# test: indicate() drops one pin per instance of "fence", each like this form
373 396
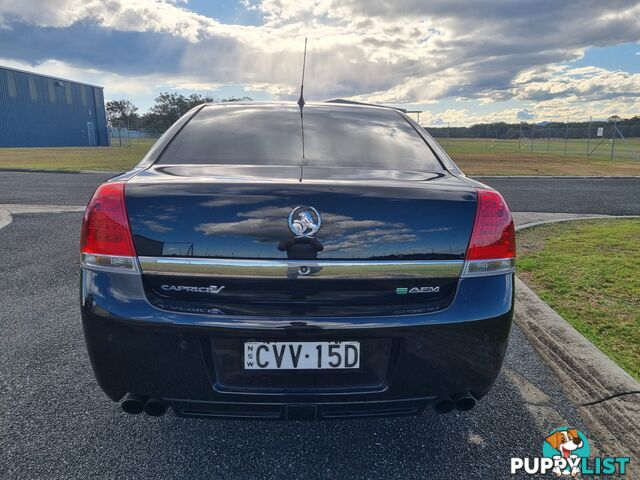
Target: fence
594 139
602 140
124 137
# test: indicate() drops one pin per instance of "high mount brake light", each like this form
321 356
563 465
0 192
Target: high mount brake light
105 240
492 249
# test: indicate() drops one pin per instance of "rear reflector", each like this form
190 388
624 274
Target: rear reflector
105 240
95 261
481 268
492 249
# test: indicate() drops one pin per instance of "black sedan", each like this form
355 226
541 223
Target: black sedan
276 262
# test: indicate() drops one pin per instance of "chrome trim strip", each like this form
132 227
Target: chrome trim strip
331 269
484 268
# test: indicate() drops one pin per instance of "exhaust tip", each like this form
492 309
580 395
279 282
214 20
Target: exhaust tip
155 408
132 404
465 402
444 405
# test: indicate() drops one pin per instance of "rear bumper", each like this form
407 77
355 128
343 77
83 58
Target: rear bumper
135 347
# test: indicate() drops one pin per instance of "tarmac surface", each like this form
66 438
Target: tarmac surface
613 196
56 423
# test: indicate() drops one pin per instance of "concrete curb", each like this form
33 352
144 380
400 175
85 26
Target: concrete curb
18 208
533 219
7 210
5 218
562 177
600 389
607 397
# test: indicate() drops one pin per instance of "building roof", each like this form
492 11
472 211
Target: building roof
2 67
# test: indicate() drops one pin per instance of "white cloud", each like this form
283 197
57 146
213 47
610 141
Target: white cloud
382 51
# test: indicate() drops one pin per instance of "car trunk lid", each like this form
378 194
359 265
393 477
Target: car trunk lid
223 239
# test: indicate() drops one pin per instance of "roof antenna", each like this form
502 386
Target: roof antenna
301 104
304 62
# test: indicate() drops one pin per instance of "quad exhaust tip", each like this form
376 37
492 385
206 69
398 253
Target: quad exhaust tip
444 405
461 402
132 404
155 408
464 401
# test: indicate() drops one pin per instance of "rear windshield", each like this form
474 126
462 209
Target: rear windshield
273 135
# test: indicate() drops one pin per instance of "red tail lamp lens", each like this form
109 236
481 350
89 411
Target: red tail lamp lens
493 233
105 228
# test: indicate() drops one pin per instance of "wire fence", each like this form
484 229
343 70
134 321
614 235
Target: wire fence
606 140
124 137
600 140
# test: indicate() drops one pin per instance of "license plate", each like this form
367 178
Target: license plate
301 355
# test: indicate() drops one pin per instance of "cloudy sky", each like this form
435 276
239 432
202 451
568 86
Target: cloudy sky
460 61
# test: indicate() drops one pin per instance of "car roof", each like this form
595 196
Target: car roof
288 104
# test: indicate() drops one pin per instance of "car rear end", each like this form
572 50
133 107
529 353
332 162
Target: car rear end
392 292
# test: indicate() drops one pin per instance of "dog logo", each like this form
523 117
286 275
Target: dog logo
304 221
567 443
565 452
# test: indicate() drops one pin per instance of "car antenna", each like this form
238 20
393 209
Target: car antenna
304 63
301 104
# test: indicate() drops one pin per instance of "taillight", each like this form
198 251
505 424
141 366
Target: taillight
105 240
492 248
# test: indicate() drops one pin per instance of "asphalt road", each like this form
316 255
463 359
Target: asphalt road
55 422
613 196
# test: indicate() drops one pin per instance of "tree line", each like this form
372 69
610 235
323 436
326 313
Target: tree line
572 130
168 107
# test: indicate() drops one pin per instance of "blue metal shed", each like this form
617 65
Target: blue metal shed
41 111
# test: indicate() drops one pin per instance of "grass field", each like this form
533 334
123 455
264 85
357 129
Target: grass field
587 271
474 156
624 149
502 157
75 158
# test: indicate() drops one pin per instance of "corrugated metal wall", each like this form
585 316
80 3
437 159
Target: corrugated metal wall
37 111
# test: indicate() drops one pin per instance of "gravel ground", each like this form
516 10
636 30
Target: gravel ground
56 423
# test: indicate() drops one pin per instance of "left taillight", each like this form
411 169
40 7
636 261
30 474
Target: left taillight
105 239
492 247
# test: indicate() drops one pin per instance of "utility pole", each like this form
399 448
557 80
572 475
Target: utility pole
486 140
533 132
520 138
548 136
613 136
589 137
566 136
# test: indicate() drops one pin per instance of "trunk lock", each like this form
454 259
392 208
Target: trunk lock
304 270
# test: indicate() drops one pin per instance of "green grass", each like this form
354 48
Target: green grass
113 158
628 149
474 156
588 272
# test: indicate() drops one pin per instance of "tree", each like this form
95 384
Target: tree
169 107
121 113
613 118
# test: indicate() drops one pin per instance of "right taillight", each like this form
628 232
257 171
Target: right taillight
105 239
492 248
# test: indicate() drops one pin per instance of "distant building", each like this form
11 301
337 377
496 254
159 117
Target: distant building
41 111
